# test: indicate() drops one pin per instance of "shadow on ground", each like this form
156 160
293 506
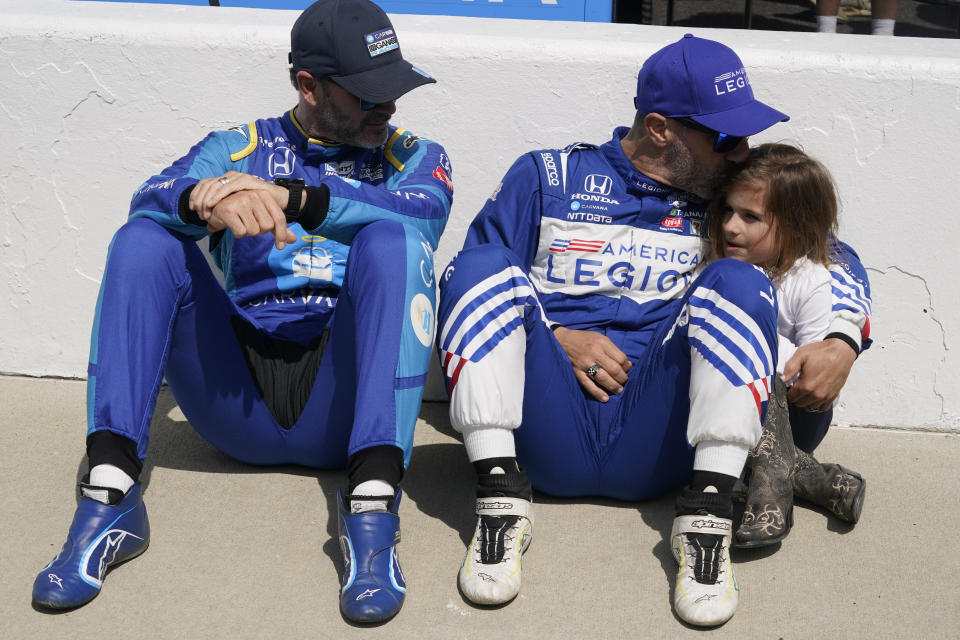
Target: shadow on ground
440 482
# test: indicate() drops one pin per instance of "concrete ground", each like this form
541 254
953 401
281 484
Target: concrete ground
246 552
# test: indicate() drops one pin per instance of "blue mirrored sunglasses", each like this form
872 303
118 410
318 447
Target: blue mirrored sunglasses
722 142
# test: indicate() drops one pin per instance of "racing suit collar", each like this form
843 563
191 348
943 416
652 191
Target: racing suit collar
635 180
312 148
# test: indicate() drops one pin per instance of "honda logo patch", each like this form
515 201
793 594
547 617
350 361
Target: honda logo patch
599 184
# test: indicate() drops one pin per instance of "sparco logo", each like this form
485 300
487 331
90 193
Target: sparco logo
711 524
552 177
596 183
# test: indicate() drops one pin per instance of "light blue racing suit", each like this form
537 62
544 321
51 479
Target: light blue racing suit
365 275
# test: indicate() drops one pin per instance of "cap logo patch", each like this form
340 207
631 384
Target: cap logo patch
382 41
730 82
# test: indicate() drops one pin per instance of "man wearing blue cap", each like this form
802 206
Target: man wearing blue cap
324 222
581 335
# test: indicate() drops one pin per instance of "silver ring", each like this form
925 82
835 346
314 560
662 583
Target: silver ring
592 371
223 179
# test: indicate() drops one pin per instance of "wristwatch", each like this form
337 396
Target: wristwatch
295 189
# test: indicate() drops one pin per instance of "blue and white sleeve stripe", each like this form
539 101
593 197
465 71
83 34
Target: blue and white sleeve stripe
487 314
728 338
848 293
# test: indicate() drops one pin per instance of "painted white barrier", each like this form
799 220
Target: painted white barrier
94 97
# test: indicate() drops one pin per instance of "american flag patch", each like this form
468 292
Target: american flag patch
560 245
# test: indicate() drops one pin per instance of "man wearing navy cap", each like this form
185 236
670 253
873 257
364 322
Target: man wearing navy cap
582 336
324 222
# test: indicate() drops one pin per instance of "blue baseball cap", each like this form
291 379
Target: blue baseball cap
353 43
705 81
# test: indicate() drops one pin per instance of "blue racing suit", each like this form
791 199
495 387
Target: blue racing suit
365 275
579 238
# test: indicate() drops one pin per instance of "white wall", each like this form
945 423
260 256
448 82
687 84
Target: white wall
94 97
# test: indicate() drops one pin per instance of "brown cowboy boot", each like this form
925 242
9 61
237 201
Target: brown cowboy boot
830 486
768 514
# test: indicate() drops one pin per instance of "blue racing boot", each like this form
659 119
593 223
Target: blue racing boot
373 587
101 536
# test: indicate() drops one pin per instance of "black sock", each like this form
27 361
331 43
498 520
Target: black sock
720 481
383 462
695 501
513 483
106 447
509 465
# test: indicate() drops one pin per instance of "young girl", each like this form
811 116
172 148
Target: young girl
778 210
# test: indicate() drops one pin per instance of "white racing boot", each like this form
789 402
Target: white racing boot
706 593
490 573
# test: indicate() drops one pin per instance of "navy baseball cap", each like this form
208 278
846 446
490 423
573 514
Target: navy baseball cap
705 81
353 43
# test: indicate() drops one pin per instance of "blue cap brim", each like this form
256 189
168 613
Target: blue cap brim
744 120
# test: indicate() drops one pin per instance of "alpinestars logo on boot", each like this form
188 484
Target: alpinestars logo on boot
711 524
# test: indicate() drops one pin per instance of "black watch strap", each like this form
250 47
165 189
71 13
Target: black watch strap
295 189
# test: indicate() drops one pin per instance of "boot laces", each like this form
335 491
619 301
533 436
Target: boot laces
497 534
706 557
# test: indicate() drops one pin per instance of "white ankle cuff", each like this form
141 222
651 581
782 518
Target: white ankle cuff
720 457
489 442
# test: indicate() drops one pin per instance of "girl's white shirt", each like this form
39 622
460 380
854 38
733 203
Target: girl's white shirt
805 303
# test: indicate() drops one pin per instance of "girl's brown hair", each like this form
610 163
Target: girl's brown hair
799 194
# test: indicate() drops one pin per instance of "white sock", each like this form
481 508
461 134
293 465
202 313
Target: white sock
488 442
883 27
826 24
373 488
107 475
727 458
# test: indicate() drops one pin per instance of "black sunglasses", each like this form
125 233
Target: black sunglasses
364 105
722 142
